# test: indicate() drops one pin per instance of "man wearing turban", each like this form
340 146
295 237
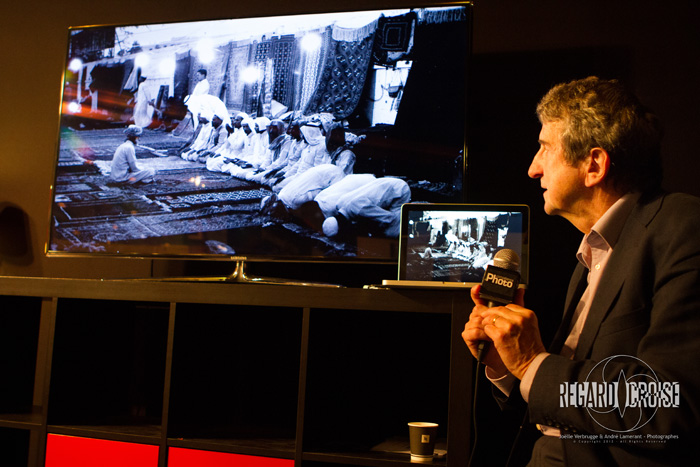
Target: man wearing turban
124 167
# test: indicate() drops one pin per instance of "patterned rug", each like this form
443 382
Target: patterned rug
343 77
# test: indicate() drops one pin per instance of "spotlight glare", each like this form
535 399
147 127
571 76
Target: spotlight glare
75 65
311 42
141 60
74 107
205 50
167 66
250 75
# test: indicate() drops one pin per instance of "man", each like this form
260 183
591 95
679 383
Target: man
307 185
232 147
276 155
632 312
240 165
204 105
294 199
202 86
313 154
205 131
261 141
297 145
144 104
338 148
217 138
124 167
327 200
373 208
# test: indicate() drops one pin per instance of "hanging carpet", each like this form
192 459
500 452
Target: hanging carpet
343 76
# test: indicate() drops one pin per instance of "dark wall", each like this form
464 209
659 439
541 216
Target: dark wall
520 50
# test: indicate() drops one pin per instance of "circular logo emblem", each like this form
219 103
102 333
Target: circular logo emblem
624 399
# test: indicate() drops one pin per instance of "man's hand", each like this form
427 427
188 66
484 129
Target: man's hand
512 331
474 335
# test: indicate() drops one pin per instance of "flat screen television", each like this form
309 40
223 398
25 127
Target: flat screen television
277 138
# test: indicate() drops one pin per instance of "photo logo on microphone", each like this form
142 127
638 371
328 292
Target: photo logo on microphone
499 280
614 398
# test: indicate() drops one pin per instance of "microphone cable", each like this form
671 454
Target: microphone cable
474 405
499 286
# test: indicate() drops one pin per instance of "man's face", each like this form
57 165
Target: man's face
237 121
562 182
273 132
247 129
200 76
294 131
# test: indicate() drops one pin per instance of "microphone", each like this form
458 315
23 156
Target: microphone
501 280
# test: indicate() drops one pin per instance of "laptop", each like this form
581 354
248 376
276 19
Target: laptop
450 245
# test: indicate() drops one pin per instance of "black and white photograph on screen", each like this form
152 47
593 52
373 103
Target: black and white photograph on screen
457 246
288 136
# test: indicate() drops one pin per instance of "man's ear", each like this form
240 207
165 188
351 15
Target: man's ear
597 166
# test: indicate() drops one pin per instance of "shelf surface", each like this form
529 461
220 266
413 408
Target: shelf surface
415 300
269 447
144 434
20 420
370 459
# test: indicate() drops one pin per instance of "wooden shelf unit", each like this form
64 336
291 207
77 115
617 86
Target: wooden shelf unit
315 376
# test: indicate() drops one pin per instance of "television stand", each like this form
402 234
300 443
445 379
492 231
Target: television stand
239 276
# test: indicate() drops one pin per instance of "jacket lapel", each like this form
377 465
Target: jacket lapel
615 273
577 285
613 277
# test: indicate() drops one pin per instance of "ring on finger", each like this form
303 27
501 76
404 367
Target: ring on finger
493 321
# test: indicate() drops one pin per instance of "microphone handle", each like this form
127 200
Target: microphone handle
481 350
483 346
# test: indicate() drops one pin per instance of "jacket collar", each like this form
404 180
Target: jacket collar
616 270
613 277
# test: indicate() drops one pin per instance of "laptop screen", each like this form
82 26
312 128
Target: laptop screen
455 242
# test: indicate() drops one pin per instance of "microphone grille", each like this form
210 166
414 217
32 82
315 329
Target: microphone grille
507 259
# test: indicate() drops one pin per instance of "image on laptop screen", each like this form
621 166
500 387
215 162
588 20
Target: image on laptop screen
455 242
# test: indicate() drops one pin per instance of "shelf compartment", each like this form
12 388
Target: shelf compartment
19 331
283 448
235 375
372 372
14 445
72 451
108 367
183 457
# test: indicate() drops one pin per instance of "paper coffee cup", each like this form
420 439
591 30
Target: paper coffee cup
422 440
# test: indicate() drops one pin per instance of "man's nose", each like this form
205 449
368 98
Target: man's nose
535 169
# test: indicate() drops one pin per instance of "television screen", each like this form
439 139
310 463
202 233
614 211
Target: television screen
283 137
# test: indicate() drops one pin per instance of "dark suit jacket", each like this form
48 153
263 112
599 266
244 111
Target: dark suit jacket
647 308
